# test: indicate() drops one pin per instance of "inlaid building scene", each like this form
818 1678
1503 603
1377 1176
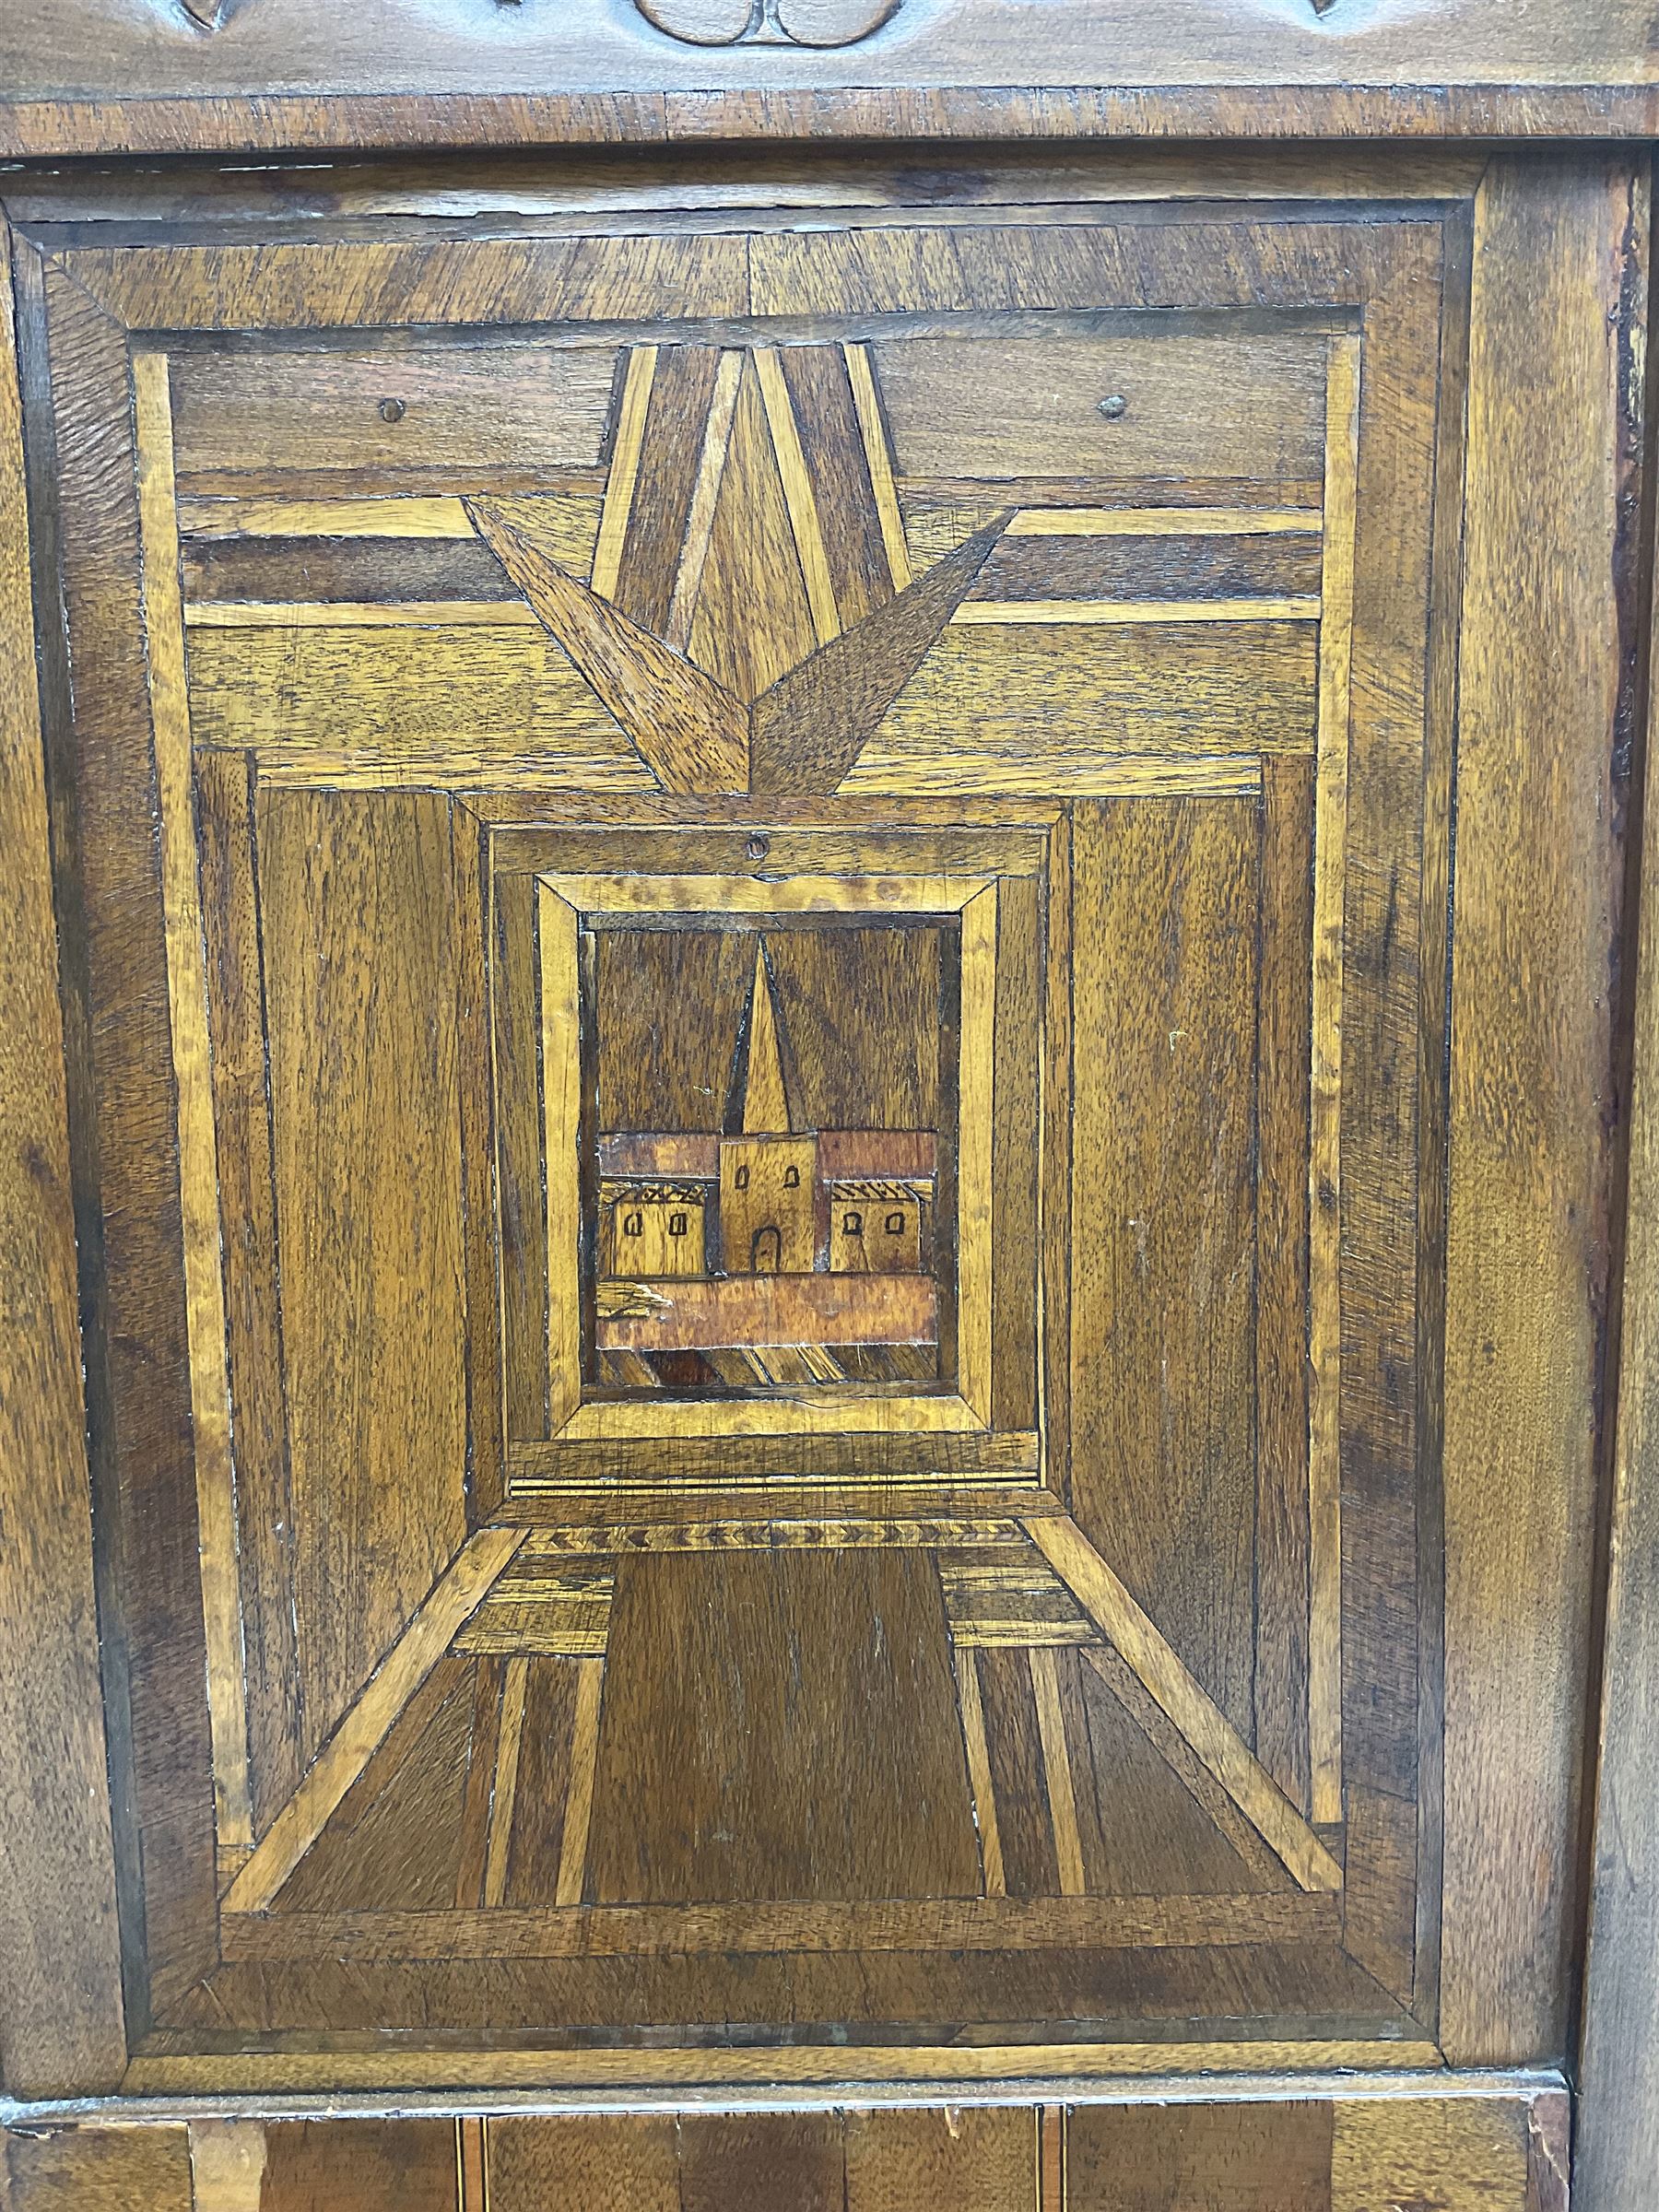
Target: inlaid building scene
774 1247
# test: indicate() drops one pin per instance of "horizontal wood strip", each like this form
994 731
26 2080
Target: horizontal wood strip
964 1923
358 613
389 517
605 1538
159 2069
457 1595
1163 522
777 1310
986 613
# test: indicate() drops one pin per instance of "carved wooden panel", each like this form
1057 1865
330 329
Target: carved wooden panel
760 926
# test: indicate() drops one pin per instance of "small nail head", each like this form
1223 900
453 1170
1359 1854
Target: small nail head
391 410
758 848
1114 405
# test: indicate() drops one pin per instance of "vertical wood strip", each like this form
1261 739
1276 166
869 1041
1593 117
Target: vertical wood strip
1324 1254
1559 277
557 932
265 1535
504 1796
705 492
978 1747
60 2016
579 1799
472 2165
1057 1770
1283 1026
483 1313
227 2165
624 470
198 1169
1055 1134
975 1196
479 1796
1050 2158
880 461
798 495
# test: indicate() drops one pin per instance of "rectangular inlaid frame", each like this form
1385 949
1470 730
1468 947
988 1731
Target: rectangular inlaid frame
1385 280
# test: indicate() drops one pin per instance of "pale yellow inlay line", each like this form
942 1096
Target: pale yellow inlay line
361 614
1095 613
879 461
978 1747
193 1074
503 1795
1165 1679
391 517
1324 1234
705 494
798 495
1057 1768
579 1799
1164 522
558 929
975 1196
624 470
455 1597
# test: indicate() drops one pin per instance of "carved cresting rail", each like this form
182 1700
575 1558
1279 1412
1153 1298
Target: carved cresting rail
714 22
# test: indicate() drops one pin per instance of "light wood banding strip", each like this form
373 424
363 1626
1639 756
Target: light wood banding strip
579 1800
705 492
1164 522
624 470
557 925
979 1773
457 1595
879 461
198 1155
1324 1193
391 517
1117 613
504 1795
798 495
360 613
1056 1772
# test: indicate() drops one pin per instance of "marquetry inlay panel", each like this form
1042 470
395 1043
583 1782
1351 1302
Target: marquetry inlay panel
785 911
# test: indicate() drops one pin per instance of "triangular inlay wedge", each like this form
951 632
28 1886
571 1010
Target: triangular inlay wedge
810 727
689 730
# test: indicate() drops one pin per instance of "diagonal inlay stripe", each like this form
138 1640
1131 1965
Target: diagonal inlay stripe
689 730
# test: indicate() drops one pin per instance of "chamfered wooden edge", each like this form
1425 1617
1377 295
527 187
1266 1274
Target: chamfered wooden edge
1545 673
254 122
61 2013
1618 2131
1244 2077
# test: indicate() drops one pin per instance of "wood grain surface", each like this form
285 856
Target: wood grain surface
1535 920
61 2022
1466 65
